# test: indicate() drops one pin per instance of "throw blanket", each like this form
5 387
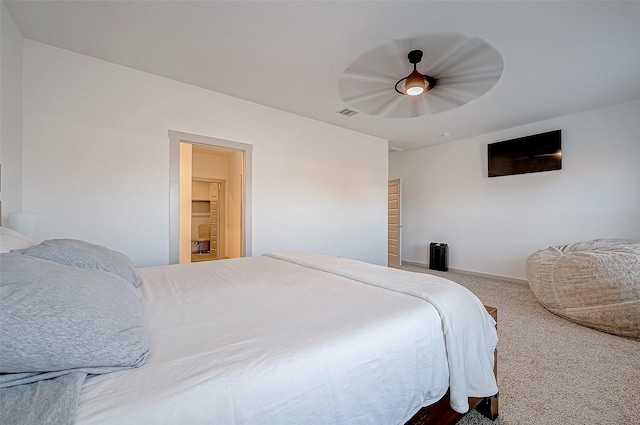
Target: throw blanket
45 402
470 349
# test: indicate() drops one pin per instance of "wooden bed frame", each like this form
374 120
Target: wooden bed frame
441 412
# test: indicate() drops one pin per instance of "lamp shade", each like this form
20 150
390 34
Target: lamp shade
25 223
415 84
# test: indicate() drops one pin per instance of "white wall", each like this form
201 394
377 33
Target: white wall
96 162
210 166
493 224
10 114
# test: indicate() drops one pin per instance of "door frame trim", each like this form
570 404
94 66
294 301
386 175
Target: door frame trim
399 220
177 137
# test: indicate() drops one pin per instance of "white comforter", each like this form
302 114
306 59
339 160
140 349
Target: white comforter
470 349
261 340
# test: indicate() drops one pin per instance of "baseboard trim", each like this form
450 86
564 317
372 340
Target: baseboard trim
467 272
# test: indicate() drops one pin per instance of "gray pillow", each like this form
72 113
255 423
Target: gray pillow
73 252
55 317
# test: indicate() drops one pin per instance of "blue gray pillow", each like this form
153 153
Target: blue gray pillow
77 253
56 319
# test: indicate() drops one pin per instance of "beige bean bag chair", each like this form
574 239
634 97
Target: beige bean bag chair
595 283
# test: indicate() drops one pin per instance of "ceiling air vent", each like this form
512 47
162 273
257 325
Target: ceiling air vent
346 112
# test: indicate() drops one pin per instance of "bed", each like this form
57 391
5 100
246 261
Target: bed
283 338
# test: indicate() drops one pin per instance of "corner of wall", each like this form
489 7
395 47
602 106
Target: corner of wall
11 47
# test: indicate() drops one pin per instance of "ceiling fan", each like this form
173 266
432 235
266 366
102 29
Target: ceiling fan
443 71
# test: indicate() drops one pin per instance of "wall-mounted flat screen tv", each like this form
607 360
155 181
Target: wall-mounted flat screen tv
530 154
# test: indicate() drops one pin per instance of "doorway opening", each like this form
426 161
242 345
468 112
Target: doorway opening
211 236
210 198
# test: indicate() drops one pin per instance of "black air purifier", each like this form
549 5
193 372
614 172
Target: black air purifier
438 257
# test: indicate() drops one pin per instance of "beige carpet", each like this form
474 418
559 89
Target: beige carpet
550 370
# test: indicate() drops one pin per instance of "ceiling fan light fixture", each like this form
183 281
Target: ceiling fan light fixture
415 84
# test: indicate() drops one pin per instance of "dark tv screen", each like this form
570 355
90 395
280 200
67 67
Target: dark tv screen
530 154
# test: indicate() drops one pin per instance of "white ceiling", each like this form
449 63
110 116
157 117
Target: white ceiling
559 57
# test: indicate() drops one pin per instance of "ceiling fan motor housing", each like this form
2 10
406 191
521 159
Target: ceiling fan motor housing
415 56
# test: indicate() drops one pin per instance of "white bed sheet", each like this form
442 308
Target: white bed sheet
263 341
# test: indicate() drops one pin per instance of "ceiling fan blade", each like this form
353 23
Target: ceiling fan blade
476 75
402 47
367 96
473 54
364 75
452 97
386 108
381 61
471 88
398 107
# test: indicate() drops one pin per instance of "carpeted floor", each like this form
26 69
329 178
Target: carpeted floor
550 370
